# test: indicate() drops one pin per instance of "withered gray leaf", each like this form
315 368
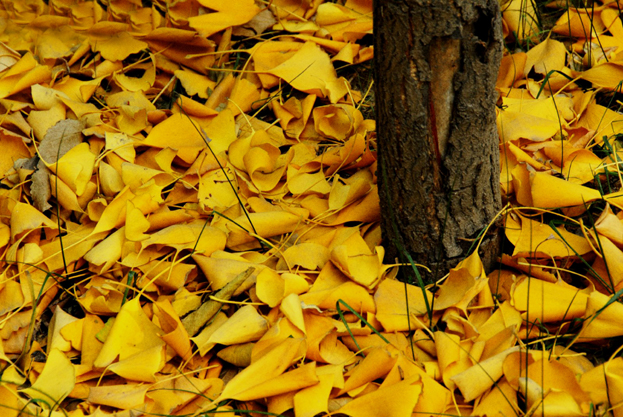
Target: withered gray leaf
40 188
59 139
256 26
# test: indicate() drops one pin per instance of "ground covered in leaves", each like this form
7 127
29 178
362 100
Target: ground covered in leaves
189 220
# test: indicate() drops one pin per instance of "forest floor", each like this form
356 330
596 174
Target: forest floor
189 219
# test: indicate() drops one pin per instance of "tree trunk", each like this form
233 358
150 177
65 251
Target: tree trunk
436 64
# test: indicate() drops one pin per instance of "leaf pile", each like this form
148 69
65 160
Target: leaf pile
189 221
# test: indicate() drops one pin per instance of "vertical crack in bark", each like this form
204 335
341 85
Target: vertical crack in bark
444 58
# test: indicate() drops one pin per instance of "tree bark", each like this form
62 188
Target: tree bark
436 64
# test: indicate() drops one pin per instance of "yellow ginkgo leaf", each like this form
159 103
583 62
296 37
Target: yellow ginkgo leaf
563 302
90 348
354 150
355 259
346 191
168 275
9 396
554 402
448 349
13 149
11 297
107 252
475 381
187 137
521 19
391 309
75 245
56 381
602 318
135 176
465 282
511 69
65 196
540 240
195 236
100 298
25 217
261 378
142 366
271 54
135 224
602 75
244 95
602 120
578 165
175 334
131 334
294 114
271 287
314 400
220 271
308 255
142 83
266 165
301 377
610 226
338 121
310 70
614 381
25 73
501 399
268 224
60 320
367 209
171 394
195 83
533 119
349 23
376 364
109 179
332 285
291 308
235 13
121 144
394 400
282 329
549 55
580 23
202 339
301 183
237 355
117 46
124 396
245 325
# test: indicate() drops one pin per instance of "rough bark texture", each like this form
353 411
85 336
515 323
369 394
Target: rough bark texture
436 63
